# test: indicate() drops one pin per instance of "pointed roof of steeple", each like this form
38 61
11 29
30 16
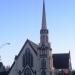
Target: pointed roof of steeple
44 17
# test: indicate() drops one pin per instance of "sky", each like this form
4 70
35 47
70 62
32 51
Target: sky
21 19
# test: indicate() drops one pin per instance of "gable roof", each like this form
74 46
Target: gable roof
61 61
33 46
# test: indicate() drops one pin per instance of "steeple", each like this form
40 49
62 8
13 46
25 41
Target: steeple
44 30
44 17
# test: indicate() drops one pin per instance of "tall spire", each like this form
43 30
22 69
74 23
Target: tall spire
44 30
44 17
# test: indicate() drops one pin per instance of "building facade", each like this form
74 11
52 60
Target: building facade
38 59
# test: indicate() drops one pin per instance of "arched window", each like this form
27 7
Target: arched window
43 63
43 72
27 72
19 72
24 61
27 58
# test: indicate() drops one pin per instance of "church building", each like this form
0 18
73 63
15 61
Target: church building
37 59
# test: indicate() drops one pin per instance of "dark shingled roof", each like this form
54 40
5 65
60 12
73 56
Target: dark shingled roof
61 61
34 46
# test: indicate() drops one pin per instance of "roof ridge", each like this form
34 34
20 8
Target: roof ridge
32 42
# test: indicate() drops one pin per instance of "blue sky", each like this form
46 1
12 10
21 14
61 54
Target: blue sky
21 19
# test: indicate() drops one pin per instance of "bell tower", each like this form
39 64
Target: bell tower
45 51
44 30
